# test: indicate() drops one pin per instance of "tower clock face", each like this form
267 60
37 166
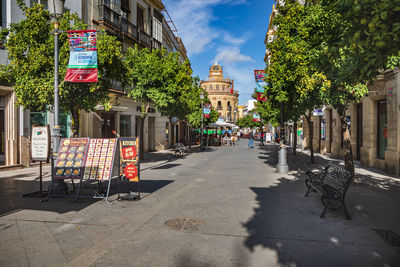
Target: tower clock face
216 68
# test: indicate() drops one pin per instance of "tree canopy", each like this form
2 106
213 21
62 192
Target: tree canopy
30 46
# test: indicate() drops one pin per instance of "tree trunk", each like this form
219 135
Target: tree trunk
75 122
294 137
348 151
172 134
310 135
141 142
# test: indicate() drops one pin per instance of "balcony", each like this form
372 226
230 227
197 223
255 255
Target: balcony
219 107
144 38
156 44
129 29
108 15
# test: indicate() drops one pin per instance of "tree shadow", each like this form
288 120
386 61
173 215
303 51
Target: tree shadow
12 188
289 223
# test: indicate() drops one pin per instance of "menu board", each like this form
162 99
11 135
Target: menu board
129 158
100 159
40 143
71 158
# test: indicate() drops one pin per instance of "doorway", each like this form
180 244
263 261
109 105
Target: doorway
359 130
151 133
108 125
2 138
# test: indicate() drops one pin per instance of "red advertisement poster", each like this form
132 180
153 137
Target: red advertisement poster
129 156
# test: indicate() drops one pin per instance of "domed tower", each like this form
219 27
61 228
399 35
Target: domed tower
221 93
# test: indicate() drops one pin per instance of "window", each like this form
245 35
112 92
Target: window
157 25
229 103
125 125
219 103
217 88
223 87
210 87
140 18
42 2
382 129
125 6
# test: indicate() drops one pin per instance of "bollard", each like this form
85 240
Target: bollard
282 166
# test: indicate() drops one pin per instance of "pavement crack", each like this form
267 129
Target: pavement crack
22 243
59 222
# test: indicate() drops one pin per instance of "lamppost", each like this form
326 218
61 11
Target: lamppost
230 113
282 166
234 116
202 115
56 9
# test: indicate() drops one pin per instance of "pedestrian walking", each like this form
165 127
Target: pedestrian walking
251 141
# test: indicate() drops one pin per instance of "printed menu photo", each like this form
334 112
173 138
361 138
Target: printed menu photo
71 158
100 159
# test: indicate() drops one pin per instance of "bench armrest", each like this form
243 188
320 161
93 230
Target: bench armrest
331 192
315 178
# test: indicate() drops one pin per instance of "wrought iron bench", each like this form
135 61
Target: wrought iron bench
180 149
332 183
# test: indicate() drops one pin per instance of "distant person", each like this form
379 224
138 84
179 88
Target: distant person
251 141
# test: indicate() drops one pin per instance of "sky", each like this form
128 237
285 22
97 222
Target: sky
230 32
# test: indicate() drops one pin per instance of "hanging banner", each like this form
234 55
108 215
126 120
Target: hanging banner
261 97
129 158
82 65
207 110
40 143
256 117
259 76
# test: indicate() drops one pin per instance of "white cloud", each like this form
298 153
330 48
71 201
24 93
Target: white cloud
193 19
243 77
230 55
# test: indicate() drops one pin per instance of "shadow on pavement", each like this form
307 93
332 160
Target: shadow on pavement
288 222
12 189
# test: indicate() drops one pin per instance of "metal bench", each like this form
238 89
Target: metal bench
180 149
332 183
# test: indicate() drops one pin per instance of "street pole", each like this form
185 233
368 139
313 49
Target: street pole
282 166
202 120
58 186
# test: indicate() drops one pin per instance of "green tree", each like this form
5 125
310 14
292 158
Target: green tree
372 34
247 122
157 78
293 80
30 46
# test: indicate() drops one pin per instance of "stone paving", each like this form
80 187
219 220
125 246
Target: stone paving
234 210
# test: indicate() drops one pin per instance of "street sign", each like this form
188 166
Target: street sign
40 143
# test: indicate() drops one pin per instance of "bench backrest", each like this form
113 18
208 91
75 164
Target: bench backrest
337 177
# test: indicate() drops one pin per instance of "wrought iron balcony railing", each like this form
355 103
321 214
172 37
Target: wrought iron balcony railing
144 38
129 29
156 44
107 15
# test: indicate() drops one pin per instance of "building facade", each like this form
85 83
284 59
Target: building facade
374 126
221 93
133 22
